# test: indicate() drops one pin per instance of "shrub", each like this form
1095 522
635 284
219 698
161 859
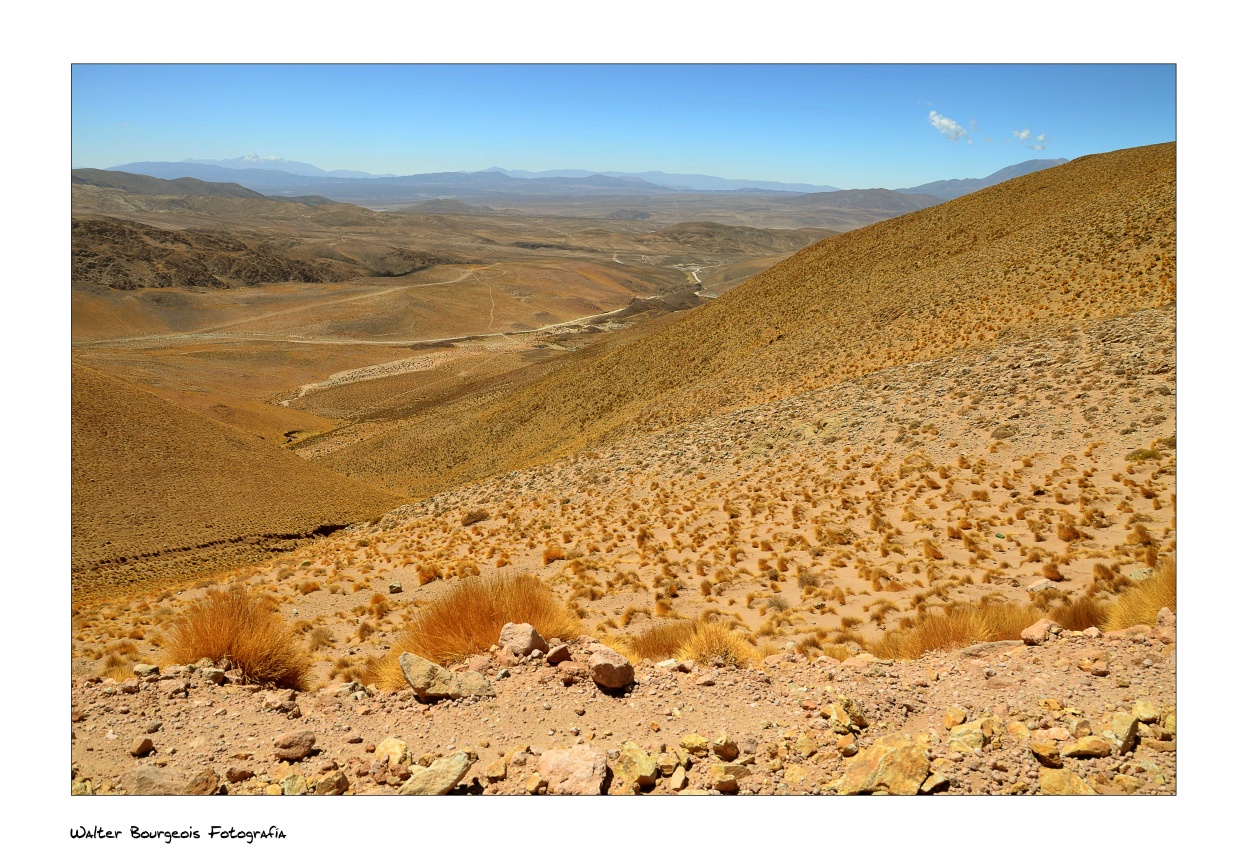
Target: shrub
474 516
467 618
239 630
1080 614
660 642
1141 603
959 626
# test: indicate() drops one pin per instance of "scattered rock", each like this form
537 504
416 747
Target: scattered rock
725 748
141 747
238 775
521 639
633 767
892 765
206 782
294 746
609 669
439 778
333 783
294 784
694 744
395 587
1090 747
394 752
725 776
1062 782
1038 632
430 681
1046 753
558 654
146 780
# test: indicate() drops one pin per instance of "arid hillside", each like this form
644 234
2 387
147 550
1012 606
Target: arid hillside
1093 238
161 493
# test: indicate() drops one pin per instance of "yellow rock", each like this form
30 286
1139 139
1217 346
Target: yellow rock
967 737
1046 753
1062 782
796 776
891 765
395 751
694 744
955 716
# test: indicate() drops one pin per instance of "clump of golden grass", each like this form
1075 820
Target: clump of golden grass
662 641
467 619
1141 603
235 628
1079 614
715 642
959 626
319 637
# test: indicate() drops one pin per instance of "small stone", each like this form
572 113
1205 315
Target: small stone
1038 632
148 780
215 676
967 738
576 771
725 748
293 784
677 781
1123 732
954 716
141 747
1046 753
1086 748
1062 782
725 776
395 587
535 784
846 745
142 670
239 775
333 783
558 654
796 776
934 783
805 746
1146 711
694 744
394 751
294 746
634 767
496 771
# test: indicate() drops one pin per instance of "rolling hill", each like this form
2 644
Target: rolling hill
161 493
1092 238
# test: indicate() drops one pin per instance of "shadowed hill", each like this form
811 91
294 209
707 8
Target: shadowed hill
1090 239
162 493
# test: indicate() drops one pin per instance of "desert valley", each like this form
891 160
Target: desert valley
484 484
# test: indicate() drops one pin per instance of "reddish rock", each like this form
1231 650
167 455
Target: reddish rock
521 639
609 669
1038 632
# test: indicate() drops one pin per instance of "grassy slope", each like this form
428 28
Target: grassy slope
1093 238
161 492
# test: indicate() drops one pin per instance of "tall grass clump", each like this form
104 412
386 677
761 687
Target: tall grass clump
240 630
715 642
1141 603
660 642
467 618
959 626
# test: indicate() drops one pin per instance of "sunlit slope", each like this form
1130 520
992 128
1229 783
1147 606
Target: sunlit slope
159 492
1093 238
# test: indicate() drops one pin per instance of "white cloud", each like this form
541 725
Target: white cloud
1041 136
947 126
1036 147
1021 134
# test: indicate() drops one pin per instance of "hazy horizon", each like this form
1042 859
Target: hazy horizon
848 126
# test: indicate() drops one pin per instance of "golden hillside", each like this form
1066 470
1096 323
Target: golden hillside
1094 238
159 492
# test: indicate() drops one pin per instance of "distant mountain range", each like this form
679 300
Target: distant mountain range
277 164
276 176
953 189
701 183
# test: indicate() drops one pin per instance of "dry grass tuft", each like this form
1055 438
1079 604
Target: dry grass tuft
660 642
715 642
467 619
239 630
960 626
1141 603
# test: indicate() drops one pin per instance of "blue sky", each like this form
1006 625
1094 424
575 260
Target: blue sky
844 125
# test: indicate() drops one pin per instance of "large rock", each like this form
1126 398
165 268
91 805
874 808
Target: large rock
1090 747
725 776
439 778
147 780
576 771
891 765
1123 732
1062 782
609 669
432 682
294 746
522 639
429 680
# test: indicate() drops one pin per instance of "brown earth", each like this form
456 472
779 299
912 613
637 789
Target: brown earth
161 493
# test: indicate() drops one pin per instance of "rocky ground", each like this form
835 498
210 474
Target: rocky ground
1057 713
